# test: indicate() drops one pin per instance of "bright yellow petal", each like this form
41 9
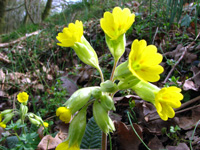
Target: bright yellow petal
65 146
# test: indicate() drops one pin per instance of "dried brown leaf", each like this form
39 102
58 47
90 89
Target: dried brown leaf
48 142
126 137
181 146
189 85
155 144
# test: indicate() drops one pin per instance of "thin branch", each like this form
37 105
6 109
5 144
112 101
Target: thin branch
28 12
18 40
183 54
11 9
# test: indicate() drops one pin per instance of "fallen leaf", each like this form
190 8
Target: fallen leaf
181 146
189 85
155 144
48 142
126 137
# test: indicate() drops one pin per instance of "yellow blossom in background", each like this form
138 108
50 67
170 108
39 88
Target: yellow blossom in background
22 97
64 114
144 61
3 125
117 23
46 124
71 34
65 146
167 99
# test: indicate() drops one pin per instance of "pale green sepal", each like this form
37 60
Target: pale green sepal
7 111
107 102
129 82
101 118
108 86
122 71
8 117
23 110
86 53
146 91
77 127
96 92
116 47
79 98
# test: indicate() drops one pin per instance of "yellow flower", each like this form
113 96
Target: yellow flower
144 61
3 125
167 99
117 23
46 124
22 97
65 146
71 34
64 114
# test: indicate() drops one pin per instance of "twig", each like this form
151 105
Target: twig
155 35
186 109
18 40
183 54
188 103
194 76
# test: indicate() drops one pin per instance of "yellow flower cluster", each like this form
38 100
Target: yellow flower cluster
167 99
22 97
144 61
117 23
65 146
2 124
71 34
64 114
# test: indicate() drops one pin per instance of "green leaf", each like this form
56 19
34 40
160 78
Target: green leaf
92 136
186 20
12 141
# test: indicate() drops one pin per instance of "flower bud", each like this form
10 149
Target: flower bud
77 127
79 99
108 86
8 117
86 53
96 92
107 102
23 110
116 47
7 111
34 121
102 119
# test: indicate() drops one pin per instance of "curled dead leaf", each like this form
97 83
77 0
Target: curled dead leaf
126 137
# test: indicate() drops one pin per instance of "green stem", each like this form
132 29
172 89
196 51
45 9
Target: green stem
128 113
101 74
104 141
113 70
193 134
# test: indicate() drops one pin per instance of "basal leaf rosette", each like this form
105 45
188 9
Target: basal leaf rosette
164 99
115 25
144 61
72 36
167 99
